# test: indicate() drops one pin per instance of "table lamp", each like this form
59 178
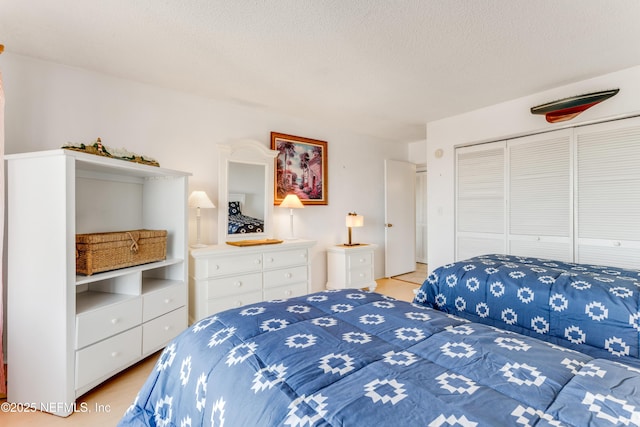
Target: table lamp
353 220
292 202
198 200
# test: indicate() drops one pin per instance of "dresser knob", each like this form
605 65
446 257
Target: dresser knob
257 261
238 284
167 300
363 260
271 259
238 303
114 321
115 354
617 243
166 328
288 293
288 275
216 267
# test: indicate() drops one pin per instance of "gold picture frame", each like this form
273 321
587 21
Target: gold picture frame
300 168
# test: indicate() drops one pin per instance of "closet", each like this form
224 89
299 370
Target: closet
571 194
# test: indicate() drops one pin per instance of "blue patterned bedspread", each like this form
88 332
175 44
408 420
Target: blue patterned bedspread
353 358
239 224
592 309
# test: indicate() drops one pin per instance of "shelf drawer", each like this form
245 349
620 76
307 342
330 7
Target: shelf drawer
106 357
285 276
287 291
358 276
219 304
358 260
221 266
161 301
158 332
95 325
279 259
229 286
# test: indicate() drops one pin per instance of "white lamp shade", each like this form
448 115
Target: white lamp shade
354 220
291 201
199 199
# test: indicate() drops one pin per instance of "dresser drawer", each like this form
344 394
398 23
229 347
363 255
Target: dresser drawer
358 276
286 291
220 304
228 286
102 359
285 276
279 259
95 325
161 301
224 265
159 331
358 260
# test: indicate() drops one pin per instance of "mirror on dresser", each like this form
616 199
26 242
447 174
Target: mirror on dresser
245 192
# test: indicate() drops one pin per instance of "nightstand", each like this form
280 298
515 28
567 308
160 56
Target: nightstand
350 267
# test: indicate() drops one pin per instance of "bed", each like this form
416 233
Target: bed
239 223
356 358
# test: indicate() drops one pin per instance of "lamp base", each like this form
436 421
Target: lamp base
352 244
198 245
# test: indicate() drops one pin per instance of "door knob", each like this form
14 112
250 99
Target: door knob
388 225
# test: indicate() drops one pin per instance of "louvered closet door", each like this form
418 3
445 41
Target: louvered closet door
480 200
608 194
540 196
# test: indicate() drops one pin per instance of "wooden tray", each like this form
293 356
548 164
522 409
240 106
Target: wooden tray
255 242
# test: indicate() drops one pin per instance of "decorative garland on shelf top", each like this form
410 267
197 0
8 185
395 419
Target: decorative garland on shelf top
99 149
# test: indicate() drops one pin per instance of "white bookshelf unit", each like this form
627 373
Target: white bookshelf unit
67 333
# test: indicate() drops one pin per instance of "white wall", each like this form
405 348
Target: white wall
501 121
418 152
48 105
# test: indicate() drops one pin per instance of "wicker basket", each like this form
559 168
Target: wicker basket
97 252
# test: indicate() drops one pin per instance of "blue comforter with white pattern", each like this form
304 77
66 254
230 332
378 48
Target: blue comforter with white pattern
589 308
354 358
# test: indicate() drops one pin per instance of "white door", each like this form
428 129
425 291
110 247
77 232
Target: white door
400 217
480 200
421 216
608 200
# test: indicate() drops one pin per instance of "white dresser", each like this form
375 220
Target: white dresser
225 276
350 267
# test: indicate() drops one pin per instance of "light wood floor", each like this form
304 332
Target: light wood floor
107 403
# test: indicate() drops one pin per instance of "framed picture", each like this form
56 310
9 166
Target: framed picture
301 168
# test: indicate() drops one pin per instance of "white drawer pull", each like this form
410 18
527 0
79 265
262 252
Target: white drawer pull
238 284
168 300
168 327
238 303
270 259
361 274
115 321
288 293
288 275
115 354
216 267
363 260
616 243
257 261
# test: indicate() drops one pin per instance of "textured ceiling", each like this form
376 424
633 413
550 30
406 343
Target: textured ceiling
377 67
